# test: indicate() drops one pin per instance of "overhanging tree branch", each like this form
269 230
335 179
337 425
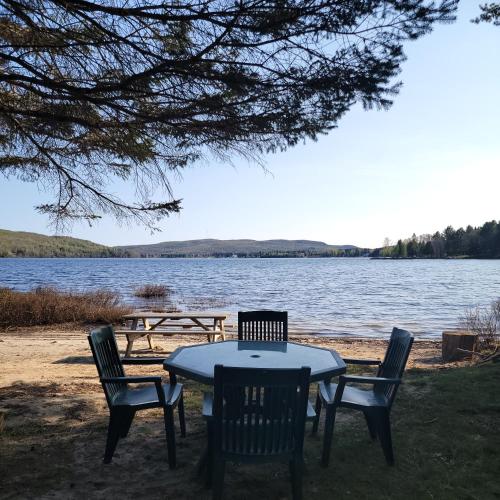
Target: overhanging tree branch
139 89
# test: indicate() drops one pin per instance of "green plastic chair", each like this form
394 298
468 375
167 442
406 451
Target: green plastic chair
256 415
123 400
263 325
375 403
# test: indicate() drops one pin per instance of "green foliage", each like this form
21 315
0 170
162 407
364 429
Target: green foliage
401 249
480 242
21 244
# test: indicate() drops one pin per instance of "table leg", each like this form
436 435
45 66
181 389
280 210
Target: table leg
223 334
147 326
172 377
130 338
130 342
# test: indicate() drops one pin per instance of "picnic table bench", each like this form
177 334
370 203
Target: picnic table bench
147 323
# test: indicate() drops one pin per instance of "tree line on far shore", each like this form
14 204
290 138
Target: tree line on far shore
472 242
270 254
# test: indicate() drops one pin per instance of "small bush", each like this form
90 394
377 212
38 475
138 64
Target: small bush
48 306
485 321
152 291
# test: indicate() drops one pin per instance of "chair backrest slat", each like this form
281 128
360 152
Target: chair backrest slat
259 412
394 362
263 325
107 360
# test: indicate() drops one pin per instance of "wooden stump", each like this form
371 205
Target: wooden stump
458 339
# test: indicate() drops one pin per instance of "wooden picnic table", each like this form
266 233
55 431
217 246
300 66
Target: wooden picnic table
147 323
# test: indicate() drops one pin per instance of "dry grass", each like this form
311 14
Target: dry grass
152 291
49 306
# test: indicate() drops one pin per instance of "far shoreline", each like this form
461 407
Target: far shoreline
367 257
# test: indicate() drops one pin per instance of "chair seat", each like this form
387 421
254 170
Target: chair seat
352 396
208 401
147 396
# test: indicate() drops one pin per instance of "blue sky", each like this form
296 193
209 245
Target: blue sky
430 161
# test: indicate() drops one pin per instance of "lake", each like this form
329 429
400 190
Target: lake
326 296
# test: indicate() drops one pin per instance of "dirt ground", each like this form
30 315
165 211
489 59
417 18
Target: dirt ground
53 420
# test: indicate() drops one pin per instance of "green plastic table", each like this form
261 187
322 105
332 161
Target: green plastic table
197 362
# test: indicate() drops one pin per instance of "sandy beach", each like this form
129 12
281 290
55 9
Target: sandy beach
62 355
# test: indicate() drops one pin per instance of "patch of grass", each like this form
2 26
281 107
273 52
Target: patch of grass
152 291
445 433
445 436
48 306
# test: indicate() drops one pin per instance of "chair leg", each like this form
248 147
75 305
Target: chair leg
113 435
182 418
219 467
168 414
126 422
384 434
210 456
296 471
331 411
372 428
317 409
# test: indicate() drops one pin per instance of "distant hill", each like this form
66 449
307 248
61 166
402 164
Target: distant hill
240 248
22 244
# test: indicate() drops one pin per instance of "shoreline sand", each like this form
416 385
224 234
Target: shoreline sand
54 354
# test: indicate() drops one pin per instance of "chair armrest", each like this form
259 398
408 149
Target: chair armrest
139 380
366 362
131 380
143 361
368 380
208 403
343 379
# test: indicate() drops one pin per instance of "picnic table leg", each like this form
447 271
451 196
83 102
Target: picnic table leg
130 342
223 334
147 326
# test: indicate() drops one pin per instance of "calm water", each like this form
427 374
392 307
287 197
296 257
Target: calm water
338 296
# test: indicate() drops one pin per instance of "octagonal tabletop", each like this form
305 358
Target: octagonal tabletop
198 362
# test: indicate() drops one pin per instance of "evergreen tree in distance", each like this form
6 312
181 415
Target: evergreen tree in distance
479 242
